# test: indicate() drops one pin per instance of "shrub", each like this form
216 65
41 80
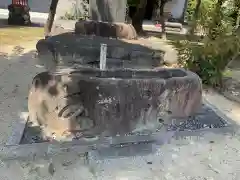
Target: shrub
207 13
205 8
210 58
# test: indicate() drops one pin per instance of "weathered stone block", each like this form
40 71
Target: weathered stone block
68 49
113 102
106 29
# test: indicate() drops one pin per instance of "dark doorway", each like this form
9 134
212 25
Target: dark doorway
148 13
149 9
131 11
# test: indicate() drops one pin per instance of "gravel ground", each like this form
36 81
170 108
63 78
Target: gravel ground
208 157
16 73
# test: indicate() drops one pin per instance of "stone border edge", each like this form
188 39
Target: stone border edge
17 133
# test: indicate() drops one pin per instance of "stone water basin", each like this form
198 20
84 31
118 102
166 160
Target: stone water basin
113 102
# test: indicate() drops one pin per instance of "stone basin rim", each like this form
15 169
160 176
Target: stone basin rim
127 74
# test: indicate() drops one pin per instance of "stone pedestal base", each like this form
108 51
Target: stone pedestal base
18 15
112 102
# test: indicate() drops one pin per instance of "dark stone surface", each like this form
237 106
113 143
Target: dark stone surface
114 101
19 15
68 49
204 118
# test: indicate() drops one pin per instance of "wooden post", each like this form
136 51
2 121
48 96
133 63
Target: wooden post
51 15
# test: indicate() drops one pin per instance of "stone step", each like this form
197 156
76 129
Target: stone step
173 25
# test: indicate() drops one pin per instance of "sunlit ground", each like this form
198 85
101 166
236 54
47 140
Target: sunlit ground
15 35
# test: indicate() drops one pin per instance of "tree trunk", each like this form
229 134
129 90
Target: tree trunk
238 20
138 17
162 18
237 5
51 15
195 17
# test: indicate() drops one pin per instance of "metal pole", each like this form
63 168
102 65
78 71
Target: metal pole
103 57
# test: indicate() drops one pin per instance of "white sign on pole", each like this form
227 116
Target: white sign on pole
103 56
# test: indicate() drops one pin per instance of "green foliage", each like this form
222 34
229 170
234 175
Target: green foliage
205 15
205 8
190 10
210 58
230 11
136 2
133 2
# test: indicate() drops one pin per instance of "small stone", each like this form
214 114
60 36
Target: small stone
78 134
68 163
213 169
174 156
54 136
51 169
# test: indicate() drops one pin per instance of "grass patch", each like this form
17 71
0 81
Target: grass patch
12 35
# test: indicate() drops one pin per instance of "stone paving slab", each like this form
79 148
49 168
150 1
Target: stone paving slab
206 118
